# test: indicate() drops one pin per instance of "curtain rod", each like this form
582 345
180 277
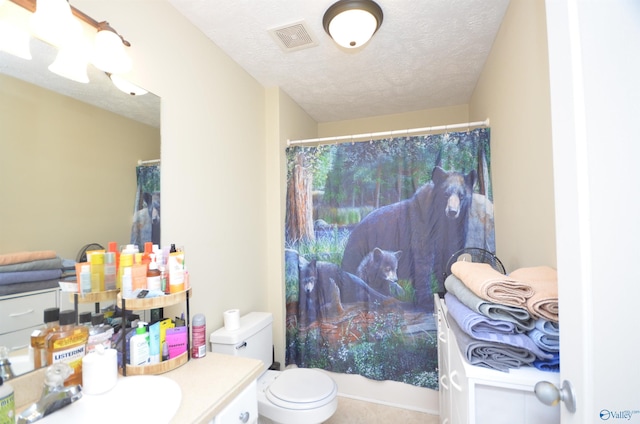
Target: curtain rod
148 162
370 136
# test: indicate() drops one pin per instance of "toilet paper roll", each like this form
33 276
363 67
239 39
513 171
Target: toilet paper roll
232 319
99 371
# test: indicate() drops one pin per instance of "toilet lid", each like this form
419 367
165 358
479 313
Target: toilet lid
302 388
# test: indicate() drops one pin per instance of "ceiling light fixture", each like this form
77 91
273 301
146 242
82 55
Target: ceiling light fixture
352 23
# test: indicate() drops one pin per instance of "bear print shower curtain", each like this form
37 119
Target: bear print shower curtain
370 227
146 208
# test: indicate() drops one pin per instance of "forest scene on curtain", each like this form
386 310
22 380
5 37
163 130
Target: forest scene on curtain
146 210
370 227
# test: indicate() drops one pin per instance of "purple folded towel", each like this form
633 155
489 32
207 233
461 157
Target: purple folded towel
465 316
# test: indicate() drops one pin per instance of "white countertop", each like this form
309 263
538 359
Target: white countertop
208 385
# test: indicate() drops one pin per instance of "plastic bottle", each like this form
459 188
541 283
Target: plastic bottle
7 403
85 279
138 273
110 271
154 279
38 337
99 333
127 286
67 344
84 318
199 336
97 271
139 346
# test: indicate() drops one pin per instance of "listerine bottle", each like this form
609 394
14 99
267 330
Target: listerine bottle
68 344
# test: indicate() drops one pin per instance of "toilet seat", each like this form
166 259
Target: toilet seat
301 389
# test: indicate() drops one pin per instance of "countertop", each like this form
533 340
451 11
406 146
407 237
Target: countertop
208 385
211 383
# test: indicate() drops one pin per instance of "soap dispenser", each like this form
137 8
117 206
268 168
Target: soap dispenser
6 373
139 346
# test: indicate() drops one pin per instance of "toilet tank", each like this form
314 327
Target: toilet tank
254 338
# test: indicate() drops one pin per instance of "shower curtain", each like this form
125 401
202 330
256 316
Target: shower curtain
146 211
370 228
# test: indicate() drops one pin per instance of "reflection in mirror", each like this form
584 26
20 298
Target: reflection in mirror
68 157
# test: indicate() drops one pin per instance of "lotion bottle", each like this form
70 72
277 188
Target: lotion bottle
139 346
154 280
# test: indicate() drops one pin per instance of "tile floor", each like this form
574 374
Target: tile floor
351 411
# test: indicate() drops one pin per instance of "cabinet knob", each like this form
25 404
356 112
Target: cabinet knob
549 394
244 417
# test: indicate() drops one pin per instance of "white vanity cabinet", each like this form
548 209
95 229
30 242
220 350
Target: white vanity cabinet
22 313
477 395
242 410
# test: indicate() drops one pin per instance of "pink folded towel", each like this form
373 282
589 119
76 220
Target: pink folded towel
544 282
491 285
20 257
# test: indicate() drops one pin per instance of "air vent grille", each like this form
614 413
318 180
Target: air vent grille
293 37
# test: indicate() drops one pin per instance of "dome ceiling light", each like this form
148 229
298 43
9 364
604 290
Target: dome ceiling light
352 23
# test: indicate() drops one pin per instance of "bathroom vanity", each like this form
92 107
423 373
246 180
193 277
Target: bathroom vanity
209 386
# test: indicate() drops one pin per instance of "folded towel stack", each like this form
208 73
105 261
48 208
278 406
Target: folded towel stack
515 311
25 271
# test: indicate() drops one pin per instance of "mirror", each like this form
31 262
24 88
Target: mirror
68 157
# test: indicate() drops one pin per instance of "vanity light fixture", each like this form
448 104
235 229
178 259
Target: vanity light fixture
58 23
352 23
126 86
108 53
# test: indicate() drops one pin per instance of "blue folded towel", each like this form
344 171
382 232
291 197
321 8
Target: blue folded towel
545 341
464 316
551 365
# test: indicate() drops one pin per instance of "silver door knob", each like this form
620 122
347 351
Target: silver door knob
244 417
549 394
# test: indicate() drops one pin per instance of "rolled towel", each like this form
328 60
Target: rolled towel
545 341
467 320
520 317
551 365
549 328
492 355
544 282
491 285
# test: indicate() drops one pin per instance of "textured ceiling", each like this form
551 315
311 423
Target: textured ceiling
427 54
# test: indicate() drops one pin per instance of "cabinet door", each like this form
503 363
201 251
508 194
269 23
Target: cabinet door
242 410
444 394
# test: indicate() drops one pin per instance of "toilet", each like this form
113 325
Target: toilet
292 396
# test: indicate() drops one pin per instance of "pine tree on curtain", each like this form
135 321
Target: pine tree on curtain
146 210
370 227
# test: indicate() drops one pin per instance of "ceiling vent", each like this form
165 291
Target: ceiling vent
292 37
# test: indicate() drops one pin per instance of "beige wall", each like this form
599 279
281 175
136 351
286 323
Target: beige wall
286 121
417 119
67 170
513 92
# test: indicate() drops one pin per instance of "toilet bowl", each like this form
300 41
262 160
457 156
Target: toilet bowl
292 396
295 396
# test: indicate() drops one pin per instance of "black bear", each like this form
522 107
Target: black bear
428 228
324 288
379 270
